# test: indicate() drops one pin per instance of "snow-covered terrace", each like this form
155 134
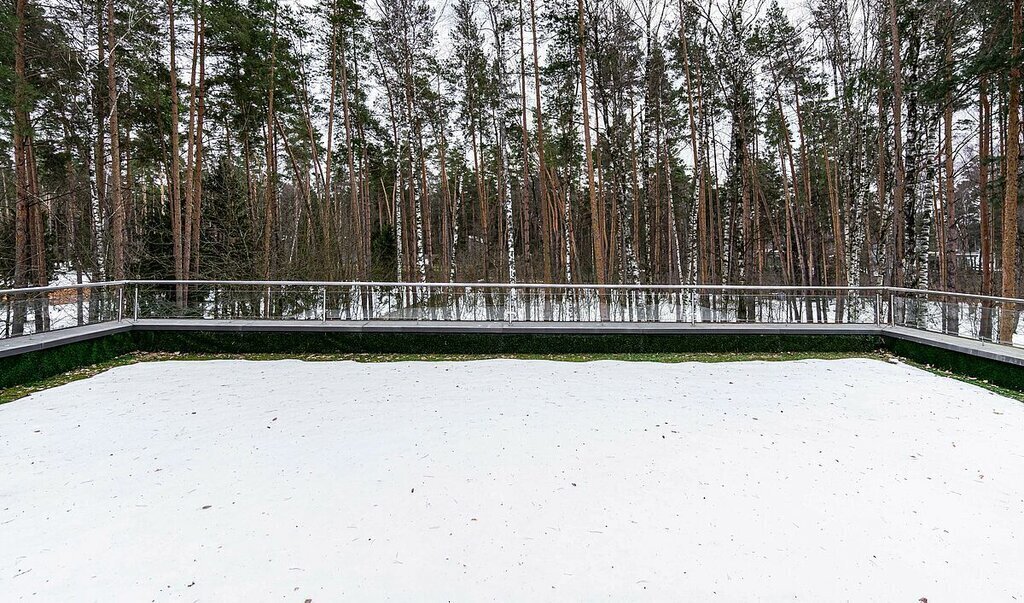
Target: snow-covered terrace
237 480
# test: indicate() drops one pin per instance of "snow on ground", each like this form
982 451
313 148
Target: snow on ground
512 480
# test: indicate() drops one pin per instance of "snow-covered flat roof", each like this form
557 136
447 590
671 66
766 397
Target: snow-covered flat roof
512 480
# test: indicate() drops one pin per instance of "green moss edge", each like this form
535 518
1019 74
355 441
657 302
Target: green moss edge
23 374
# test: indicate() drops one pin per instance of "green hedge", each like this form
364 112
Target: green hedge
487 343
41 364
997 373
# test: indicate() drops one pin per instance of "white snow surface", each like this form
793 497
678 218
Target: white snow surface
512 480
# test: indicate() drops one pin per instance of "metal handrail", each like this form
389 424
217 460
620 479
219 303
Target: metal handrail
589 286
19 290
429 285
992 298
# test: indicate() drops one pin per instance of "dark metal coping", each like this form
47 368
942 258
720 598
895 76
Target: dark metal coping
971 347
23 344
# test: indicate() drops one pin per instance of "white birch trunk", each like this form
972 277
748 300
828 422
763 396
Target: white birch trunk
398 218
455 232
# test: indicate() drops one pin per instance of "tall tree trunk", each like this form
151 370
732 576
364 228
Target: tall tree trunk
21 138
1008 320
190 162
37 233
880 165
353 189
900 186
525 186
485 223
449 216
99 207
176 241
951 236
196 206
418 199
984 156
328 213
270 193
547 207
596 224
701 272
117 223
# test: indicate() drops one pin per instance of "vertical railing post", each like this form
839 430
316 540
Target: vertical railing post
693 306
892 309
510 302
120 302
878 307
323 303
135 304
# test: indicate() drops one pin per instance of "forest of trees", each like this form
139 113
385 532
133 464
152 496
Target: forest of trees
824 142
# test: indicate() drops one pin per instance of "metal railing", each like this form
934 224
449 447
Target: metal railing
979 317
501 302
39 309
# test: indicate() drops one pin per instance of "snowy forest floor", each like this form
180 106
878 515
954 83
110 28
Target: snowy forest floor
848 479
